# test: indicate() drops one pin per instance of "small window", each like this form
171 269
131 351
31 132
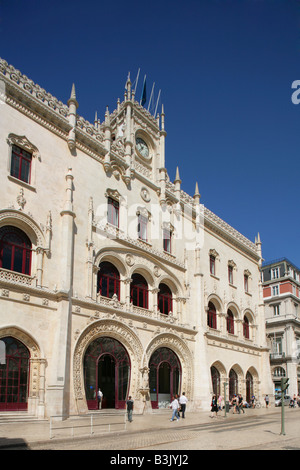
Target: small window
109 280
230 274
165 303
246 282
113 212
139 291
20 164
276 310
142 227
275 273
246 327
167 240
212 316
230 322
275 290
212 265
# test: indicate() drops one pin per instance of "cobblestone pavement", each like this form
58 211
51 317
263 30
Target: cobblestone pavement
251 431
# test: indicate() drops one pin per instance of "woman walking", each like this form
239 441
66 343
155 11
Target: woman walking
214 407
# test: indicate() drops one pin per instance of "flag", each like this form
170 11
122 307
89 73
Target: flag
143 96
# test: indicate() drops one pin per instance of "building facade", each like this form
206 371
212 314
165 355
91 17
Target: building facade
111 276
281 290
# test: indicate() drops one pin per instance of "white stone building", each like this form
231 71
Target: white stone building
110 275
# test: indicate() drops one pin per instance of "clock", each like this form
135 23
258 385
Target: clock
142 147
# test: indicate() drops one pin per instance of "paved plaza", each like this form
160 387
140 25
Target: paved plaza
256 429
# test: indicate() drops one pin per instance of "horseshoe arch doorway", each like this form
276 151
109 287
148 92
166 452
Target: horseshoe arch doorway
106 366
164 377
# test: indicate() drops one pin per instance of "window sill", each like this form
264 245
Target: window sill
21 183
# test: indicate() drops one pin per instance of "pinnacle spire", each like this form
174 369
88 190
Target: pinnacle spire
177 177
72 98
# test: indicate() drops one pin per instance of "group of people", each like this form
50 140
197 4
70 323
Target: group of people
295 401
237 404
178 405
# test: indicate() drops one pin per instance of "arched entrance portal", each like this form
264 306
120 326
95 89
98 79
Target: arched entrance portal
14 374
164 377
106 366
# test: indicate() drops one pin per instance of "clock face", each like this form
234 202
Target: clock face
142 147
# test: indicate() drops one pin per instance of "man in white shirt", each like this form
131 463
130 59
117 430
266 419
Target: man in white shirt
182 402
175 407
99 396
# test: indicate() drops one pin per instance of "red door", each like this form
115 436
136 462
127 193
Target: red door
14 374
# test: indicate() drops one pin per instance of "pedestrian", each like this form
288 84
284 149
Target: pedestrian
182 402
235 404
99 397
175 406
241 404
267 400
214 406
220 400
295 400
129 404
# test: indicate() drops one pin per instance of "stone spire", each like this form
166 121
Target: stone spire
73 105
197 194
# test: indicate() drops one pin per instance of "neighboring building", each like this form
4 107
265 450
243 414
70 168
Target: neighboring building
111 276
281 290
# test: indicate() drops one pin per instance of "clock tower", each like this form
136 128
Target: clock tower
135 142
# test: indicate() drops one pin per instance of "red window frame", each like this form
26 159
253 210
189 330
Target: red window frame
139 291
21 164
212 316
15 250
164 299
246 328
14 376
109 280
230 322
113 212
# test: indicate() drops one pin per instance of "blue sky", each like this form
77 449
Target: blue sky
225 69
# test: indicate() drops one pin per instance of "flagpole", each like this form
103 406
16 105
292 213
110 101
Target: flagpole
157 103
151 96
136 80
143 90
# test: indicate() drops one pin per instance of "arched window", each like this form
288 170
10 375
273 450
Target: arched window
165 303
249 387
216 380
246 327
109 280
230 322
139 291
233 383
15 250
212 316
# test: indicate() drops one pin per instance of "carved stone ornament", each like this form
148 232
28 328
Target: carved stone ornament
24 143
129 260
113 329
145 195
113 193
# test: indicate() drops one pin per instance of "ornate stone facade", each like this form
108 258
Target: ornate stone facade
89 191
